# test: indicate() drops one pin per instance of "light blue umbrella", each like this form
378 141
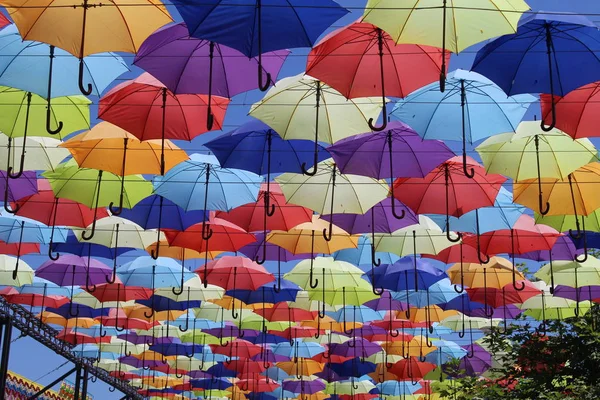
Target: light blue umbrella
360 314
472 108
25 65
149 273
439 292
25 230
445 352
97 331
186 185
44 287
398 388
299 349
362 254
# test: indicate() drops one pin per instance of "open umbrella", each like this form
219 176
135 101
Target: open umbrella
260 26
472 108
300 106
17 189
336 193
72 29
111 149
346 59
531 153
539 57
176 59
420 22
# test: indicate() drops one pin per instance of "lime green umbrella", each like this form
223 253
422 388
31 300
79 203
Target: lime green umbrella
451 25
563 223
353 296
96 188
571 273
426 237
302 107
24 113
332 274
531 153
328 191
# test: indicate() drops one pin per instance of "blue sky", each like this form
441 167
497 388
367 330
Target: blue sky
34 361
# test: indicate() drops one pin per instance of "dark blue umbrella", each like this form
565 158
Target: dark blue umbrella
209 384
353 367
549 53
255 27
83 311
267 293
157 212
160 303
177 349
220 370
263 338
88 249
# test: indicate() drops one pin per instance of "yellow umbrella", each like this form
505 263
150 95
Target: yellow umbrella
181 253
84 29
497 273
303 366
109 148
414 347
14 272
450 24
307 238
573 195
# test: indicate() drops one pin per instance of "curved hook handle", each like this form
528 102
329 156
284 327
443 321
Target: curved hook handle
584 259
305 171
328 232
6 202
483 260
263 87
269 208
519 288
154 253
51 253
180 291
385 120
207 232
468 174
542 210
394 212
151 313
451 239
82 88
111 389
71 313
210 119
119 210
21 166
577 235
261 261
49 117
84 234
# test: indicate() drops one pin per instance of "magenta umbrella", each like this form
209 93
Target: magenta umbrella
187 65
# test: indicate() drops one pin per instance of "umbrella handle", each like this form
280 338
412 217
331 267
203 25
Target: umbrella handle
48 107
207 231
468 174
154 254
82 88
305 171
328 233
377 292
22 162
453 240
6 202
51 253
549 48
261 86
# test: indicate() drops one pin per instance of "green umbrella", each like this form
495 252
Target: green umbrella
572 273
96 188
532 153
24 113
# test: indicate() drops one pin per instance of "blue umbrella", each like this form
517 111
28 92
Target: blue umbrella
25 230
23 66
160 303
472 108
299 348
440 292
220 371
398 388
44 287
353 367
201 184
446 351
177 349
259 26
73 246
549 53
83 311
267 293
211 384
362 254
156 212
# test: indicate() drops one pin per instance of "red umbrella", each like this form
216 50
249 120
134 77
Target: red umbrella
14 249
236 272
501 297
298 332
237 348
37 300
361 60
454 254
245 366
72 336
148 110
281 216
52 211
525 236
579 111
283 312
446 190
118 292
119 320
411 368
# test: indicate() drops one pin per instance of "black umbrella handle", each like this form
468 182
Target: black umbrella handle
24 147
82 88
549 50
393 197
48 106
305 170
383 99
262 86
443 69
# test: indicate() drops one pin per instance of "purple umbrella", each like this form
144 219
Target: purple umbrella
302 386
477 361
358 347
581 293
72 270
396 152
385 303
195 66
380 219
16 189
